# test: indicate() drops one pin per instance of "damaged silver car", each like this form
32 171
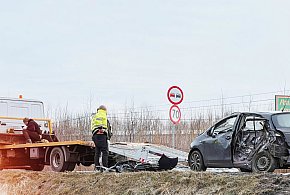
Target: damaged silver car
252 142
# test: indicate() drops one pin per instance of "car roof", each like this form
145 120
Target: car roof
267 113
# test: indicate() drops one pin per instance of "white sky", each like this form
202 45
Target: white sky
118 52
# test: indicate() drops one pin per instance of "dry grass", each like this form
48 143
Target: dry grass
173 182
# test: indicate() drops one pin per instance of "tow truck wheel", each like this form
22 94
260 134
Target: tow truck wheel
263 162
37 167
71 166
57 160
86 164
245 170
195 161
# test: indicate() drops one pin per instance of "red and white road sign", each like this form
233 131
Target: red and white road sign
175 114
175 95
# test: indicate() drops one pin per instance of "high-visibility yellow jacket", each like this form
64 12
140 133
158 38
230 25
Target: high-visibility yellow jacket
99 120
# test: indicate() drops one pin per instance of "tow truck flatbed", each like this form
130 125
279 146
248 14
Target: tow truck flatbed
49 144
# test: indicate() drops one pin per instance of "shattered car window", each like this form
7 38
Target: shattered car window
281 120
252 124
225 126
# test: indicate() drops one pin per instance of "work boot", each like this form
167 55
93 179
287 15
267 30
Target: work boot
44 141
29 141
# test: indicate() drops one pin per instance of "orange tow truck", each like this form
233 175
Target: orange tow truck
61 156
15 153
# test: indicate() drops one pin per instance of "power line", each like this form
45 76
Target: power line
235 103
216 99
189 108
196 107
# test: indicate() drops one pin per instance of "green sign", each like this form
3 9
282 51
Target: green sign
282 102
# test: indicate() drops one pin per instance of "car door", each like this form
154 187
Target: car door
217 145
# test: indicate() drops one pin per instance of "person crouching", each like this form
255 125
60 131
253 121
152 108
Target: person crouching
31 132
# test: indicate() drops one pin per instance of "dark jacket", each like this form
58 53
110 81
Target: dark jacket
33 126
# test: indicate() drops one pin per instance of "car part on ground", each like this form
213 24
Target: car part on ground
164 163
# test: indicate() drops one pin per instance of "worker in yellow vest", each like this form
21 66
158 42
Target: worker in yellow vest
99 127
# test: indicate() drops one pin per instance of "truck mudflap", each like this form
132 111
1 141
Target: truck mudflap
164 163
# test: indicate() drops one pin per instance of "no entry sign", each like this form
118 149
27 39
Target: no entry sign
175 114
175 95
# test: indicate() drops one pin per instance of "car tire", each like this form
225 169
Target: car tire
195 161
263 162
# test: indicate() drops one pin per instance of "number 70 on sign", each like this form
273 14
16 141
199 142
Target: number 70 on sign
175 114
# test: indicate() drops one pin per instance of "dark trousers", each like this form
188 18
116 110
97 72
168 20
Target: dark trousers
101 146
33 135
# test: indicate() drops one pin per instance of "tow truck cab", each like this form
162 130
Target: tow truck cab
12 111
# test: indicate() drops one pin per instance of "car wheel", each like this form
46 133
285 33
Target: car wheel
196 161
263 162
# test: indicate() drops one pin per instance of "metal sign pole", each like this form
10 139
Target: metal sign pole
173 135
175 96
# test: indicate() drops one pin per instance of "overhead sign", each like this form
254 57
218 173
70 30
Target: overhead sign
175 114
175 95
282 103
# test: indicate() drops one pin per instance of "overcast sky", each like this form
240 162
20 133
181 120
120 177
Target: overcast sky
118 52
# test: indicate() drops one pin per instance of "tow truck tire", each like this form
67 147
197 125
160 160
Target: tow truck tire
57 160
37 167
245 170
195 161
263 162
86 164
71 166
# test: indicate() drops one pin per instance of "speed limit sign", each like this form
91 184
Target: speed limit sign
175 114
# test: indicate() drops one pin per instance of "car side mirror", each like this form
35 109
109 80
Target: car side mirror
208 133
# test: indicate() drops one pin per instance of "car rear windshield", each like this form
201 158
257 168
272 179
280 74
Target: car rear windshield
281 120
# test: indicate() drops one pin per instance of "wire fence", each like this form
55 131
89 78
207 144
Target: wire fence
137 127
150 124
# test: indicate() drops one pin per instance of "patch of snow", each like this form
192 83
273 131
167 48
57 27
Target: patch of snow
223 170
3 189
